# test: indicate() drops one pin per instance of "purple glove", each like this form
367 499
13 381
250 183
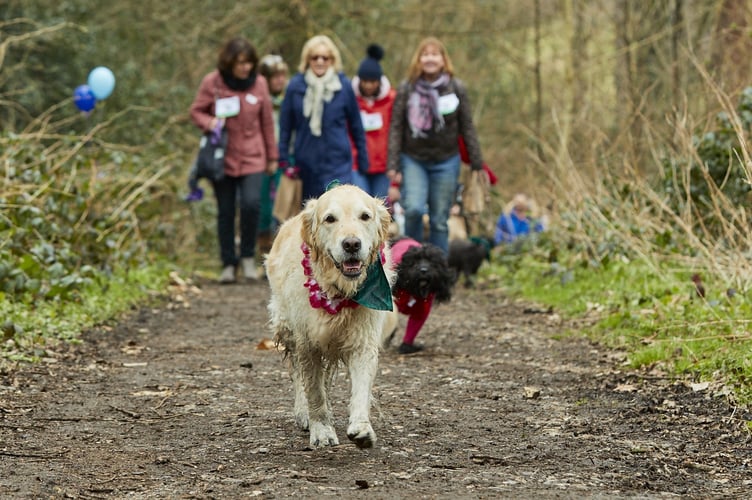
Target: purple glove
216 133
195 195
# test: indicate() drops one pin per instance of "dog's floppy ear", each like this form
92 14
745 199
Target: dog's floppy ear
384 218
307 228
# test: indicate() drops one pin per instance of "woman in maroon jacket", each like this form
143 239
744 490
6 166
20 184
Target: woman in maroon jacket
235 97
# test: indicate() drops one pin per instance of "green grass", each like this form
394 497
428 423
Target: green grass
654 315
29 331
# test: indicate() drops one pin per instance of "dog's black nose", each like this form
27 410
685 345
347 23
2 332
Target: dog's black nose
351 245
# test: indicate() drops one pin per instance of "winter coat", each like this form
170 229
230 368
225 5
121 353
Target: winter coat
250 134
439 145
321 159
376 114
510 226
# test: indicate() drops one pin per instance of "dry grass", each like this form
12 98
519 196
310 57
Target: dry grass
624 205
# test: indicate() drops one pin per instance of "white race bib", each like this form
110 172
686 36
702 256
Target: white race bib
227 107
448 103
371 121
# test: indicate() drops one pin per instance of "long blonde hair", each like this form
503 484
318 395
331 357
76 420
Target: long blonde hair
415 69
311 45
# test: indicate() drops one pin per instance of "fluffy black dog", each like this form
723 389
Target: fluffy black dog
423 277
466 257
422 270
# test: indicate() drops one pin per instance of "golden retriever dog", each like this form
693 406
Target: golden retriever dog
318 266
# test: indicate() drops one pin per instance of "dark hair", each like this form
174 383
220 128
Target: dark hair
230 52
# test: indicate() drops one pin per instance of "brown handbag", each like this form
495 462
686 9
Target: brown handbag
475 195
288 199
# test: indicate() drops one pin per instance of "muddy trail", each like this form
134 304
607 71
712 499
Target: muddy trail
191 400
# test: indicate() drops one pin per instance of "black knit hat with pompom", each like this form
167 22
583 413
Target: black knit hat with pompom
370 69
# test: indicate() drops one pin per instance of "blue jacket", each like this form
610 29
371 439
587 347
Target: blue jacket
327 157
509 227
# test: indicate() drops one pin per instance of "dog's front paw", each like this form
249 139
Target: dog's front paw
362 434
323 435
301 420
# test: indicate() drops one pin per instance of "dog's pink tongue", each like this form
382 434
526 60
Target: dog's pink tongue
351 267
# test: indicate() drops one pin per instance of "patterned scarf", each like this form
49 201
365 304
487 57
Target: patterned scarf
423 106
318 91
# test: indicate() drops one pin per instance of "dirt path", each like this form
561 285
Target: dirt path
180 403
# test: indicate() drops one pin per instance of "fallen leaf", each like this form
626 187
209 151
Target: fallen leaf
532 392
701 386
625 388
160 394
266 345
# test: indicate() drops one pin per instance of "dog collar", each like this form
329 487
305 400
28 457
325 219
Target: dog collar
316 296
375 293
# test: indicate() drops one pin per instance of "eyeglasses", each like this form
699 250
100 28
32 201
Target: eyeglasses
319 56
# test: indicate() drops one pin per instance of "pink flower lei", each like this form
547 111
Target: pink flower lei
316 296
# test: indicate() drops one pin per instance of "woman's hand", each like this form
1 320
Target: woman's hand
393 194
215 122
395 180
271 167
395 177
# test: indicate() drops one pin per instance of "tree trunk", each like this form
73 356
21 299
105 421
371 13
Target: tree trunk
733 45
538 82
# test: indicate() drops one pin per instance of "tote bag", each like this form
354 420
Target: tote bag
288 199
476 192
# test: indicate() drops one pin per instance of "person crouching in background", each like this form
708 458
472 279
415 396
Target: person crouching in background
517 220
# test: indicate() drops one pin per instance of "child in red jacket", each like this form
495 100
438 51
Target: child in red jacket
375 97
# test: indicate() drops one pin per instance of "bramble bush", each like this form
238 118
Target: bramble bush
715 162
66 220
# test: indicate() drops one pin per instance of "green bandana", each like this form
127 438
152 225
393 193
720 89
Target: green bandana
375 292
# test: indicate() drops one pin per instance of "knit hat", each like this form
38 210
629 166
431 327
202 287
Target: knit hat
370 69
271 64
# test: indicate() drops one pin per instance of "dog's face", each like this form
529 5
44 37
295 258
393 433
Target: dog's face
345 228
423 270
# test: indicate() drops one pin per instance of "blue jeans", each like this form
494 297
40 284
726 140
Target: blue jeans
247 190
374 184
429 187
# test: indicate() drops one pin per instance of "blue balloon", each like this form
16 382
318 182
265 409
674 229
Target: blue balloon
102 82
84 98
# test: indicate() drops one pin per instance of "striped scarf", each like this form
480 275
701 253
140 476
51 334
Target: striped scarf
423 106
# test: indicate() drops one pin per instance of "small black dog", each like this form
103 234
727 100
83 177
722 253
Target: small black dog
423 277
466 257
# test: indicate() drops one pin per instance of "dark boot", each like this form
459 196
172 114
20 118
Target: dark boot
409 348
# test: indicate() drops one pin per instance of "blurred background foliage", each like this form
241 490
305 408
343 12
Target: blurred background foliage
576 102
